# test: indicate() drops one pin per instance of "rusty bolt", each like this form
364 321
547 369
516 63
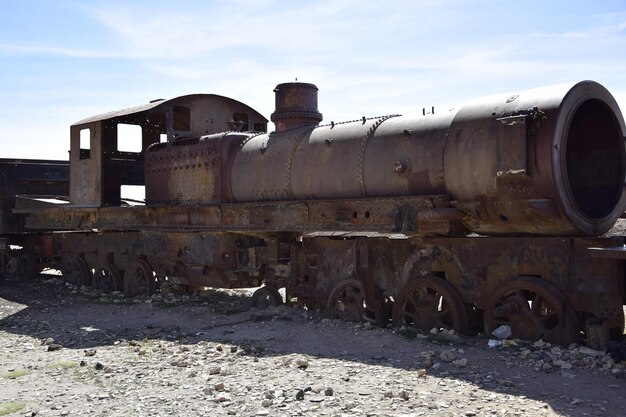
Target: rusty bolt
401 167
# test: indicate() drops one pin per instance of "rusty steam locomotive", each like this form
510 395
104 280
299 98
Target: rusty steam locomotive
492 214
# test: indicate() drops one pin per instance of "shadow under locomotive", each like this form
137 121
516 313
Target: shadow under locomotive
75 321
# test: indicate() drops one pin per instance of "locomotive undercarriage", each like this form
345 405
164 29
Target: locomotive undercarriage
555 289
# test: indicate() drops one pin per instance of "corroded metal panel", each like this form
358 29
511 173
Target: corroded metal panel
184 174
422 216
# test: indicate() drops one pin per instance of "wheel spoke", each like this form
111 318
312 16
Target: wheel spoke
76 272
430 302
347 302
138 279
546 317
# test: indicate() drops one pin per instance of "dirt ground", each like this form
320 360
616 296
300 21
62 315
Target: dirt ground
67 351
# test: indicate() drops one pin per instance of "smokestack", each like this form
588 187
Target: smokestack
296 106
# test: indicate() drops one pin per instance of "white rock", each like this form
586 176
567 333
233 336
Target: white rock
502 332
492 343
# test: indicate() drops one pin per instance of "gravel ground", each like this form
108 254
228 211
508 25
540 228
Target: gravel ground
67 351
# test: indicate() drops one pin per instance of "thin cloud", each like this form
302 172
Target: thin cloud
26 49
366 58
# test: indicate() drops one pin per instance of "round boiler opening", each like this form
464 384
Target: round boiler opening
595 159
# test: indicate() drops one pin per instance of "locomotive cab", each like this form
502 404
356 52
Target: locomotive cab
107 151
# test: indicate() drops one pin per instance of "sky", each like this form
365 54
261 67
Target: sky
62 61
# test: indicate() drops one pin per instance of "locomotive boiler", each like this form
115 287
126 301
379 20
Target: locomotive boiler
541 162
468 219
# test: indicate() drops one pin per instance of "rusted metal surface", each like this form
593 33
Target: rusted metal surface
28 177
546 288
534 309
139 279
369 220
428 302
296 106
424 216
542 162
99 167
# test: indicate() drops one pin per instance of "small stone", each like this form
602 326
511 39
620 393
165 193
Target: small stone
403 395
219 348
302 363
99 366
233 349
221 399
562 364
328 392
460 363
219 386
492 343
421 373
590 352
427 362
524 354
505 382
266 403
509 343
446 356
90 352
299 395
214 370
502 332
179 363
47 341
387 394
54 346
